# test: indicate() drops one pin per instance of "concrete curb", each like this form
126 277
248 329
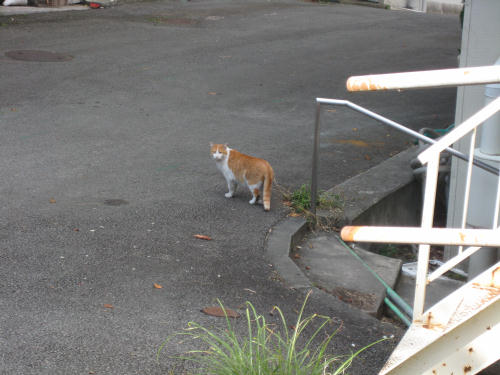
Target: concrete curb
359 206
283 237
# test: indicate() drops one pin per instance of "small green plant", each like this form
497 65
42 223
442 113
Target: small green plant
265 350
300 199
328 200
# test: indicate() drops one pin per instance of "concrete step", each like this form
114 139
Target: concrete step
330 267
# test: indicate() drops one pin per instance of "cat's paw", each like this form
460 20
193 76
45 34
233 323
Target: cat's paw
252 201
228 195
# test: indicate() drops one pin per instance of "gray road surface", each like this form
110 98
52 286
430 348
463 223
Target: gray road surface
106 176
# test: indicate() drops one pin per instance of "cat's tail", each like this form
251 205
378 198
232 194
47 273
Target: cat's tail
268 184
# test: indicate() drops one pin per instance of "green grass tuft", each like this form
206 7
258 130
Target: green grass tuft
265 349
300 200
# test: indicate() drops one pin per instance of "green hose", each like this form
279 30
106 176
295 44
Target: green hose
397 311
390 292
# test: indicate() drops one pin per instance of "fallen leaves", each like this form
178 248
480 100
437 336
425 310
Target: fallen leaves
52 200
108 306
157 286
219 312
202 237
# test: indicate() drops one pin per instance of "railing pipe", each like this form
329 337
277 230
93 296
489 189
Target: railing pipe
451 263
468 182
418 235
404 129
425 79
460 131
424 249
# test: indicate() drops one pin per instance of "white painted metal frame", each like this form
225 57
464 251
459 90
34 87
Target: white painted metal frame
430 78
426 234
431 158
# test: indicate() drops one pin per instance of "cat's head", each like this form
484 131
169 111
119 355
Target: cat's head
218 151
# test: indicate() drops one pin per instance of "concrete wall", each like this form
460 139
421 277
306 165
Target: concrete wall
480 46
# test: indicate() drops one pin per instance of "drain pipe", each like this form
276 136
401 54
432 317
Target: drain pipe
418 5
484 186
397 304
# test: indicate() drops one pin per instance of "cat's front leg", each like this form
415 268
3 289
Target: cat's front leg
231 186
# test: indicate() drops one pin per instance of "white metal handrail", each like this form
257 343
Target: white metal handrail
426 234
430 78
431 158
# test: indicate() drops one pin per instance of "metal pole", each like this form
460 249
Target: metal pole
315 161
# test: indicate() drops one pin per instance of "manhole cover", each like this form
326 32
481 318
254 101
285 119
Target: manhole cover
115 202
38 56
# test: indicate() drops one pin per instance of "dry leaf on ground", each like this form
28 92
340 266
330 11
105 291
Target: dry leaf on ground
157 286
202 237
219 312
108 306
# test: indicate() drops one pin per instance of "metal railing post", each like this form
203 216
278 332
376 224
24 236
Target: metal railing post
315 161
424 250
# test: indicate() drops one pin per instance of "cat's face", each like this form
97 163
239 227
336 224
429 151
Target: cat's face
218 152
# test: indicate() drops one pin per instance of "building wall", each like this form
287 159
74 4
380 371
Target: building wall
433 6
480 46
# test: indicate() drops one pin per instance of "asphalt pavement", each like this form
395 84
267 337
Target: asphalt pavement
106 176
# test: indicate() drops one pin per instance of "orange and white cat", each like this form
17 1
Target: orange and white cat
236 167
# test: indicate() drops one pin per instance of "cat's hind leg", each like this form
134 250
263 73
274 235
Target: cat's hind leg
255 190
